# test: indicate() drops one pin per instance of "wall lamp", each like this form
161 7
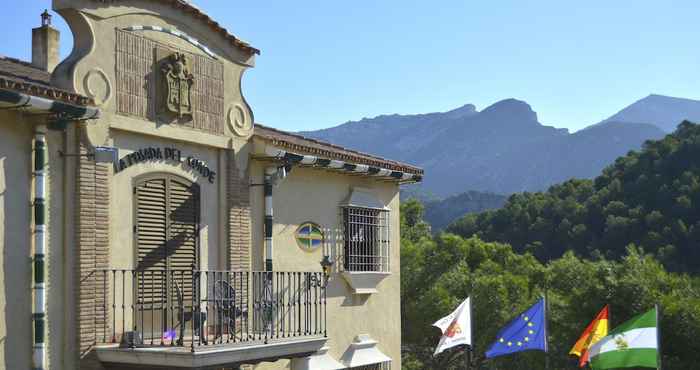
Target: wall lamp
326 265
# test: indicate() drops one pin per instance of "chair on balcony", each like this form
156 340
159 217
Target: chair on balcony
184 316
225 306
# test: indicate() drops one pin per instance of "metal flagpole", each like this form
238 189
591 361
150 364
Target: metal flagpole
658 337
546 331
468 348
467 357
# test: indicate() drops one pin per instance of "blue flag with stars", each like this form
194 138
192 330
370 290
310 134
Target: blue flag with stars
527 332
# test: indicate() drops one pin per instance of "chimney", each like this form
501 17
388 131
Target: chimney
45 44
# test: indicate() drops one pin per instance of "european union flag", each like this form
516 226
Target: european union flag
527 332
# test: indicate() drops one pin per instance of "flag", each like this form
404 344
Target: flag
456 327
527 332
595 331
632 344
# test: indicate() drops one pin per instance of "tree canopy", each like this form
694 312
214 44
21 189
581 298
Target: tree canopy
438 272
649 199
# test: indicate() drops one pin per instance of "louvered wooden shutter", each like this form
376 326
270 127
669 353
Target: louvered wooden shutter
167 228
183 210
151 235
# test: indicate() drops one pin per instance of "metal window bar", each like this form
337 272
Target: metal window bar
367 239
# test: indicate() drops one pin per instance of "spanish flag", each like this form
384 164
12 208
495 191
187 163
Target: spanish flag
596 330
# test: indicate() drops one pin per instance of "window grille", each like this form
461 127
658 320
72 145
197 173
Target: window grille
366 239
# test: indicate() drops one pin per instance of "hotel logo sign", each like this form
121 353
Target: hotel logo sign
166 154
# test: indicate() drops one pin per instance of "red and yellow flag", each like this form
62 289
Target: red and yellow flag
595 331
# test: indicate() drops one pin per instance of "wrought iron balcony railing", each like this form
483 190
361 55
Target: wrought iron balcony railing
194 308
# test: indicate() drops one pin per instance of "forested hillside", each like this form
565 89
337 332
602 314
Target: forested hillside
650 199
440 213
438 272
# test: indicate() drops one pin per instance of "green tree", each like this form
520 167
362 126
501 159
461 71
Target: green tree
439 272
647 198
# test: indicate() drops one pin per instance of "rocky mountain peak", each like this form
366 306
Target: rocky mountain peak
511 110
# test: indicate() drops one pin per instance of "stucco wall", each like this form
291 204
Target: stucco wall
122 243
314 195
16 238
16 234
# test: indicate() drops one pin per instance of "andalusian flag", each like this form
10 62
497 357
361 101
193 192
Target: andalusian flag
632 344
595 331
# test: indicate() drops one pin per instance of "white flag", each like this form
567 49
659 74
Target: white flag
456 327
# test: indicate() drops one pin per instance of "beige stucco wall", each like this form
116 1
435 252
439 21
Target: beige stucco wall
17 237
314 195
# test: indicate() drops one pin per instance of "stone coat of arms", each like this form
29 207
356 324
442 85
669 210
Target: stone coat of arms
178 85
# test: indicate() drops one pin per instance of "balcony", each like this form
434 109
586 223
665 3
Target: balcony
202 319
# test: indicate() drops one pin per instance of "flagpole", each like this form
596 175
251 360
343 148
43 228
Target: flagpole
468 348
658 338
546 331
467 356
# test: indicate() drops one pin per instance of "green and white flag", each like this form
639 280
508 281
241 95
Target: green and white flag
632 344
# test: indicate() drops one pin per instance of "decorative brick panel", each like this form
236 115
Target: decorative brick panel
138 67
92 228
239 228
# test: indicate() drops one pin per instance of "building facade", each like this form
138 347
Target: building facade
149 223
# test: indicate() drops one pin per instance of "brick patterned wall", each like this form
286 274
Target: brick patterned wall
239 228
138 62
92 228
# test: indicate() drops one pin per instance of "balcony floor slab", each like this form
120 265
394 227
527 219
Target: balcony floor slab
208 356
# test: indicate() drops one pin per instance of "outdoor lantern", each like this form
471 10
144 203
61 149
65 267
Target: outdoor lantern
326 264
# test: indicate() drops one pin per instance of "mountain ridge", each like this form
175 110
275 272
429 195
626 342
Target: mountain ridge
501 149
665 112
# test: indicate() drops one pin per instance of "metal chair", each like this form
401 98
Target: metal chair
184 316
225 306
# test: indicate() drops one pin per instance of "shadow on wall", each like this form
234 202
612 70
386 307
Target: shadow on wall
55 299
334 247
15 204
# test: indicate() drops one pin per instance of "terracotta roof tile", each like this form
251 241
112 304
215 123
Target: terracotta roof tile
304 145
25 71
23 77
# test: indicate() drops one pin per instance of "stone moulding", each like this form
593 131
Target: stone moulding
319 360
363 351
364 282
188 8
176 33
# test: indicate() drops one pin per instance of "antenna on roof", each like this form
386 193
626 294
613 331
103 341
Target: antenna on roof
45 18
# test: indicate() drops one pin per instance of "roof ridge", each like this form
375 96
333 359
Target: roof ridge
297 135
20 61
333 147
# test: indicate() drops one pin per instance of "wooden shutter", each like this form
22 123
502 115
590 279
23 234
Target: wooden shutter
183 221
151 235
167 229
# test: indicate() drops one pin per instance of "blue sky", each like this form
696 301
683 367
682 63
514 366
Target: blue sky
327 62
